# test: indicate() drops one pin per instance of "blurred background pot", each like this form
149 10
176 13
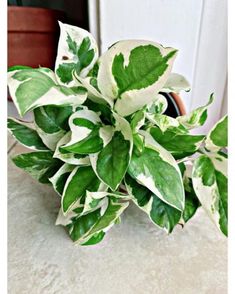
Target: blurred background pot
175 105
33 36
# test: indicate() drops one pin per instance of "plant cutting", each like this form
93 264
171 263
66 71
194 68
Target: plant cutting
102 139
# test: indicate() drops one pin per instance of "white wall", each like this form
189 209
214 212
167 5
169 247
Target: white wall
197 28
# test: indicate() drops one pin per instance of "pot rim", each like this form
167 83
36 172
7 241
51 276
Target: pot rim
179 101
23 19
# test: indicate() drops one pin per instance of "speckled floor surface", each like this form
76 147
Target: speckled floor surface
134 258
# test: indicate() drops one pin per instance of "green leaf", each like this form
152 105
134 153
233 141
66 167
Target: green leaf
159 106
197 117
86 137
51 123
32 84
17 67
79 181
25 135
68 157
137 120
103 109
40 165
94 200
31 88
77 52
82 225
111 214
83 228
137 75
112 161
52 119
160 213
180 145
218 136
96 238
158 171
210 185
191 201
164 122
176 83
131 71
60 177
65 72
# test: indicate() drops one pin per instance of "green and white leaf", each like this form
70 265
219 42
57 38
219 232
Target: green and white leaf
77 51
191 201
93 93
210 185
176 83
88 225
111 163
138 120
51 123
31 88
64 220
197 117
159 106
26 135
86 134
160 213
133 72
60 177
157 170
81 179
95 200
180 145
218 136
163 121
40 165
69 157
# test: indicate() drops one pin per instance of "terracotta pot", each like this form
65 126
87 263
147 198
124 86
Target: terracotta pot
179 102
175 105
32 36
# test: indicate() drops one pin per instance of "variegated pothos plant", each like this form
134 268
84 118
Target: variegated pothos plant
101 138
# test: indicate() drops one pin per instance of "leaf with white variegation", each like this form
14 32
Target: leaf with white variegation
26 135
77 51
197 117
67 156
176 83
95 200
133 72
85 126
210 185
191 201
137 120
81 179
159 106
159 212
31 88
157 170
60 177
164 122
111 163
180 145
83 228
40 165
218 136
51 123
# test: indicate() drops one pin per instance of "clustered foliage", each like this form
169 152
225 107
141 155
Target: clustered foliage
101 138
